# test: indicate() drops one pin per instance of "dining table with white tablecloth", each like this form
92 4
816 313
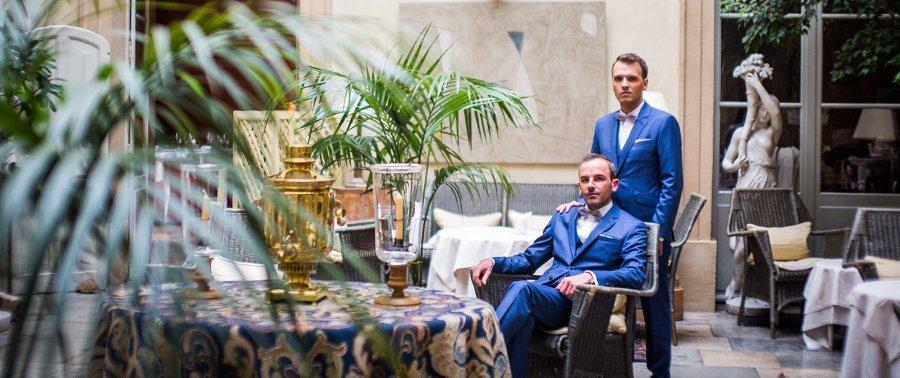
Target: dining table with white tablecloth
872 347
827 301
458 250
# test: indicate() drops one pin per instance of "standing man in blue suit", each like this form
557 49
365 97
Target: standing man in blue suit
645 143
593 244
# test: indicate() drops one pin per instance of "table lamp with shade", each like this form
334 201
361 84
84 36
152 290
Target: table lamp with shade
880 126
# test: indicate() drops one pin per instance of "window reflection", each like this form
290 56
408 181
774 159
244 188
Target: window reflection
875 87
859 151
785 60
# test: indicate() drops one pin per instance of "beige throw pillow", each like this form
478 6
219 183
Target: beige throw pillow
788 243
533 223
446 219
886 268
617 320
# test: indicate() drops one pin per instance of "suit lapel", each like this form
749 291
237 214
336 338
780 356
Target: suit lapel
612 139
605 224
573 233
639 125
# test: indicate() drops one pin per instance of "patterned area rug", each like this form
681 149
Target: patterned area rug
640 342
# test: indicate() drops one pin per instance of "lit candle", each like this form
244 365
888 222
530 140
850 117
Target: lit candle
398 217
204 209
222 193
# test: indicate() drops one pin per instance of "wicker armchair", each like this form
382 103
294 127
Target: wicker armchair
762 279
358 250
540 199
584 348
683 226
876 232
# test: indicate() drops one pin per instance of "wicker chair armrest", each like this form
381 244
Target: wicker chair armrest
865 268
834 241
740 233
616 290
830 232
760 242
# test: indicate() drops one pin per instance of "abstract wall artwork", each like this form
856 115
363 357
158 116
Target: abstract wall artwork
553 51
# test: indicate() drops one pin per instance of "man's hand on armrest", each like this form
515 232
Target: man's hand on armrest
482 271
566 206
567 285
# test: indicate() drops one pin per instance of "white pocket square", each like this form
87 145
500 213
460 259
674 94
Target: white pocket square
642 140
605 236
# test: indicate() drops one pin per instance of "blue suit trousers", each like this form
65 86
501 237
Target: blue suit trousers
525 306
658 320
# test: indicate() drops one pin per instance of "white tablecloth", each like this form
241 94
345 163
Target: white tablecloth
872 348
827 295
457 250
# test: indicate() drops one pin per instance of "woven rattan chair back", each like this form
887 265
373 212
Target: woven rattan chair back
540 199
876 232
683 226
358 244
771 207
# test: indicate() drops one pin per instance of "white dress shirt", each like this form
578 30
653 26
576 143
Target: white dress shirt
585 224
626 126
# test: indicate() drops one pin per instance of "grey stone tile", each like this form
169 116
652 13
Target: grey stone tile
779 345
686 357
729 328
797 373
640 371
810 360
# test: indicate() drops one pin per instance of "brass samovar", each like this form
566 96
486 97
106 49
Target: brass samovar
301 236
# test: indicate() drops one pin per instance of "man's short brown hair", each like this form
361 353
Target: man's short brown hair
592 156
629 58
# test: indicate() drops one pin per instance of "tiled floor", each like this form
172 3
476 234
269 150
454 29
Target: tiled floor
713 345
710 345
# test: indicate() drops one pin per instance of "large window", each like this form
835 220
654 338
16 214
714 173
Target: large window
784 84
850 124
858 121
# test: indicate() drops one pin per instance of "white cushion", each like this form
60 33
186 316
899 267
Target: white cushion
533 223
446 219
802 264
886 268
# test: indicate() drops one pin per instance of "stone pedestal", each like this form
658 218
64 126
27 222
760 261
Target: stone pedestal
752 307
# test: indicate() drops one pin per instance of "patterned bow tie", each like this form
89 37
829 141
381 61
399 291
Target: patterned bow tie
622 116
584 211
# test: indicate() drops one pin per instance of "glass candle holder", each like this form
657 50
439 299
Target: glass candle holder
398 193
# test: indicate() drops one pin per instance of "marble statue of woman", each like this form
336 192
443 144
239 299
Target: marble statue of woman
751 150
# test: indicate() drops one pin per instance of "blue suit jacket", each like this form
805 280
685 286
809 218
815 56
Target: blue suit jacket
649 165
614 251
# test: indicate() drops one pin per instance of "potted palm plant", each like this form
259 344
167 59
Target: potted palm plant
245 54
416 114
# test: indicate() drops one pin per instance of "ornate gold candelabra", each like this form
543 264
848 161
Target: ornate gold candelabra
300 236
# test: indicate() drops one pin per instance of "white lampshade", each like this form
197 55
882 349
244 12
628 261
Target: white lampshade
876 124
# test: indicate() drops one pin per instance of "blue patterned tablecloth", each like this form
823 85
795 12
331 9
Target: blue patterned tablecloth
241 335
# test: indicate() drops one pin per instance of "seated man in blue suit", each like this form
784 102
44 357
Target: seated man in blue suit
597 244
